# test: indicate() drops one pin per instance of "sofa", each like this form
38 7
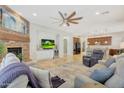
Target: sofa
115 80
22 81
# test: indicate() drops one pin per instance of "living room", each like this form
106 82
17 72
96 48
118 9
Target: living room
62 41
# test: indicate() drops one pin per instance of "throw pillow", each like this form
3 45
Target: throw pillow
109 62
43 76
102 75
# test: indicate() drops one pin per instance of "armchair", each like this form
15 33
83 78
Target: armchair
93 59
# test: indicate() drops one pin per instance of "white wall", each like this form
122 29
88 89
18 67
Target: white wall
37 33
117 39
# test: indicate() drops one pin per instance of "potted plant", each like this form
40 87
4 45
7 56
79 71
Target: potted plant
20 56
2 49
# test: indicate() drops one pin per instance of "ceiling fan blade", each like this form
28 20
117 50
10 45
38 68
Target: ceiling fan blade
73 22
78 18
61 15
67 24
73 14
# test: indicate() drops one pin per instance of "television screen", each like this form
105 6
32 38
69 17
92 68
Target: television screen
47 44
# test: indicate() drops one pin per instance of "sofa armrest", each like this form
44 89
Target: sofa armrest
83 81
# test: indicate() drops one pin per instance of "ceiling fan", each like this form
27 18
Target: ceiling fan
68 19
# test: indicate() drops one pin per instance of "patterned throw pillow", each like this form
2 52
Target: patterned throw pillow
110 61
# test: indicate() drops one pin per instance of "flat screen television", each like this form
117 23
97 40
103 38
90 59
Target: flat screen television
47 43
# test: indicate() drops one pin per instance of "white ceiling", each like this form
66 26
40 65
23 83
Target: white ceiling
91 24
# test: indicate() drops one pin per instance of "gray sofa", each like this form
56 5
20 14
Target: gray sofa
115 81
43 76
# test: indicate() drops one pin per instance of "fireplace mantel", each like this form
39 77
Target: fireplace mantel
13 36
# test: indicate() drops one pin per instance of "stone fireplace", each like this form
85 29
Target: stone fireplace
16 43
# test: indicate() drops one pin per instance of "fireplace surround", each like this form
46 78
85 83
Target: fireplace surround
18 47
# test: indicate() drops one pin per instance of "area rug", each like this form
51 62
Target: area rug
68 72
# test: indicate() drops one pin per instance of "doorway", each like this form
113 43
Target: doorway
76 45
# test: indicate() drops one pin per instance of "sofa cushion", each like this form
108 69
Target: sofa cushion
115 82
43 77
109 62
102 75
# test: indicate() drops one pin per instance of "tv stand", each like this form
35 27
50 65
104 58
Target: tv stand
44 54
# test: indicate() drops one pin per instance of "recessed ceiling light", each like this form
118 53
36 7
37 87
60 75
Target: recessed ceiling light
102 13
97 13
34 14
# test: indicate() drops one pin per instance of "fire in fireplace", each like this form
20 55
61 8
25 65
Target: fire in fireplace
17 51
